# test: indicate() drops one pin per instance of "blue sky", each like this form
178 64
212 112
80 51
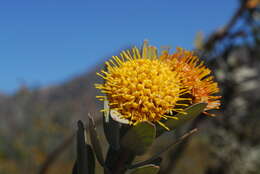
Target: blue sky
46 42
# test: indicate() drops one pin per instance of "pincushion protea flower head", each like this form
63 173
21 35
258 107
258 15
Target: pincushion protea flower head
141 87
195 76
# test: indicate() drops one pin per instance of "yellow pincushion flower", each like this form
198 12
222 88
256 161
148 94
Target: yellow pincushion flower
195 76
141 87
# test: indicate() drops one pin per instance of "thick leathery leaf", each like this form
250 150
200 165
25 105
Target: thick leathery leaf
111 157
153 161
139 138
106 110
191 113
160 146
75 168
82 157
91 160
94 138
112 132
85 162
147 169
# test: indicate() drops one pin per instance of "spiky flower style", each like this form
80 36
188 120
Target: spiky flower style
195 76
142 87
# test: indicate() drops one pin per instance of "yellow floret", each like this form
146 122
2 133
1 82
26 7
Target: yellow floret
141 87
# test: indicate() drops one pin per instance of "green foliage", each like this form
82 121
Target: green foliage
139 138
151 169
112 132
190 113
95 141
129 142
85 163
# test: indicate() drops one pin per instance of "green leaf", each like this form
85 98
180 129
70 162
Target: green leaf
85 163
106 110
151 161
94 138
91 160
111 157
191 113
81 150
112 132
148 169
111 128
161 144
75 168
139 138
